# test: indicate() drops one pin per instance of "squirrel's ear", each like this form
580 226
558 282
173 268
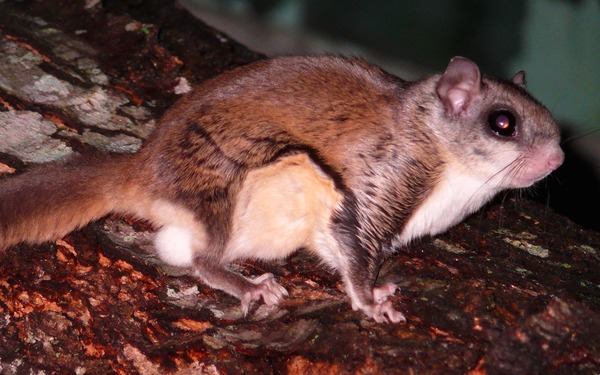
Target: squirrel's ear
459 85
519 79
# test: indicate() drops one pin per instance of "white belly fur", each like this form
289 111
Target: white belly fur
458 195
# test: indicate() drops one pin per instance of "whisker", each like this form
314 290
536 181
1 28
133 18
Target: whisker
502 203
511 166
556 178
515 169
575 137
556 102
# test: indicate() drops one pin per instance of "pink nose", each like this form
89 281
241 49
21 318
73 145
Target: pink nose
555 159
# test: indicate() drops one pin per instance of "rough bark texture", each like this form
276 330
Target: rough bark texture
515 289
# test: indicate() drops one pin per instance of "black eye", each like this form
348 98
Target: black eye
503 123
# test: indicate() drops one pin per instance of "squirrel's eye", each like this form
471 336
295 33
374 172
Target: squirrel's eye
503 123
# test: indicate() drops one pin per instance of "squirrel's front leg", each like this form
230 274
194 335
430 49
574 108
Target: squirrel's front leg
359 280
359 267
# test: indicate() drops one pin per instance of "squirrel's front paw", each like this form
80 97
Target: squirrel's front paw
383 312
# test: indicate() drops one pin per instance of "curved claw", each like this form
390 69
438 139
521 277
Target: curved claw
382 310
265 287
383 313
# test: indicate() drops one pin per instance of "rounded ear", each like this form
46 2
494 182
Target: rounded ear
459 85
519 79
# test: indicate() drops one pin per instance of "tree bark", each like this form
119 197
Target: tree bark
514 289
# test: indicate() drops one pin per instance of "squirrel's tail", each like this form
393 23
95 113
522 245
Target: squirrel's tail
49 201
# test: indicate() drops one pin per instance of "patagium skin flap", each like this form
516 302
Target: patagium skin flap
328 154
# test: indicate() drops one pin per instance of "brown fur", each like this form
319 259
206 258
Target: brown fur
327 153
47 203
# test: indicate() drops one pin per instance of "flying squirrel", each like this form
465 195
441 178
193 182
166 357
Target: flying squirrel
323 153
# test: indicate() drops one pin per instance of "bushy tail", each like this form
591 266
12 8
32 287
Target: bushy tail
50 201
